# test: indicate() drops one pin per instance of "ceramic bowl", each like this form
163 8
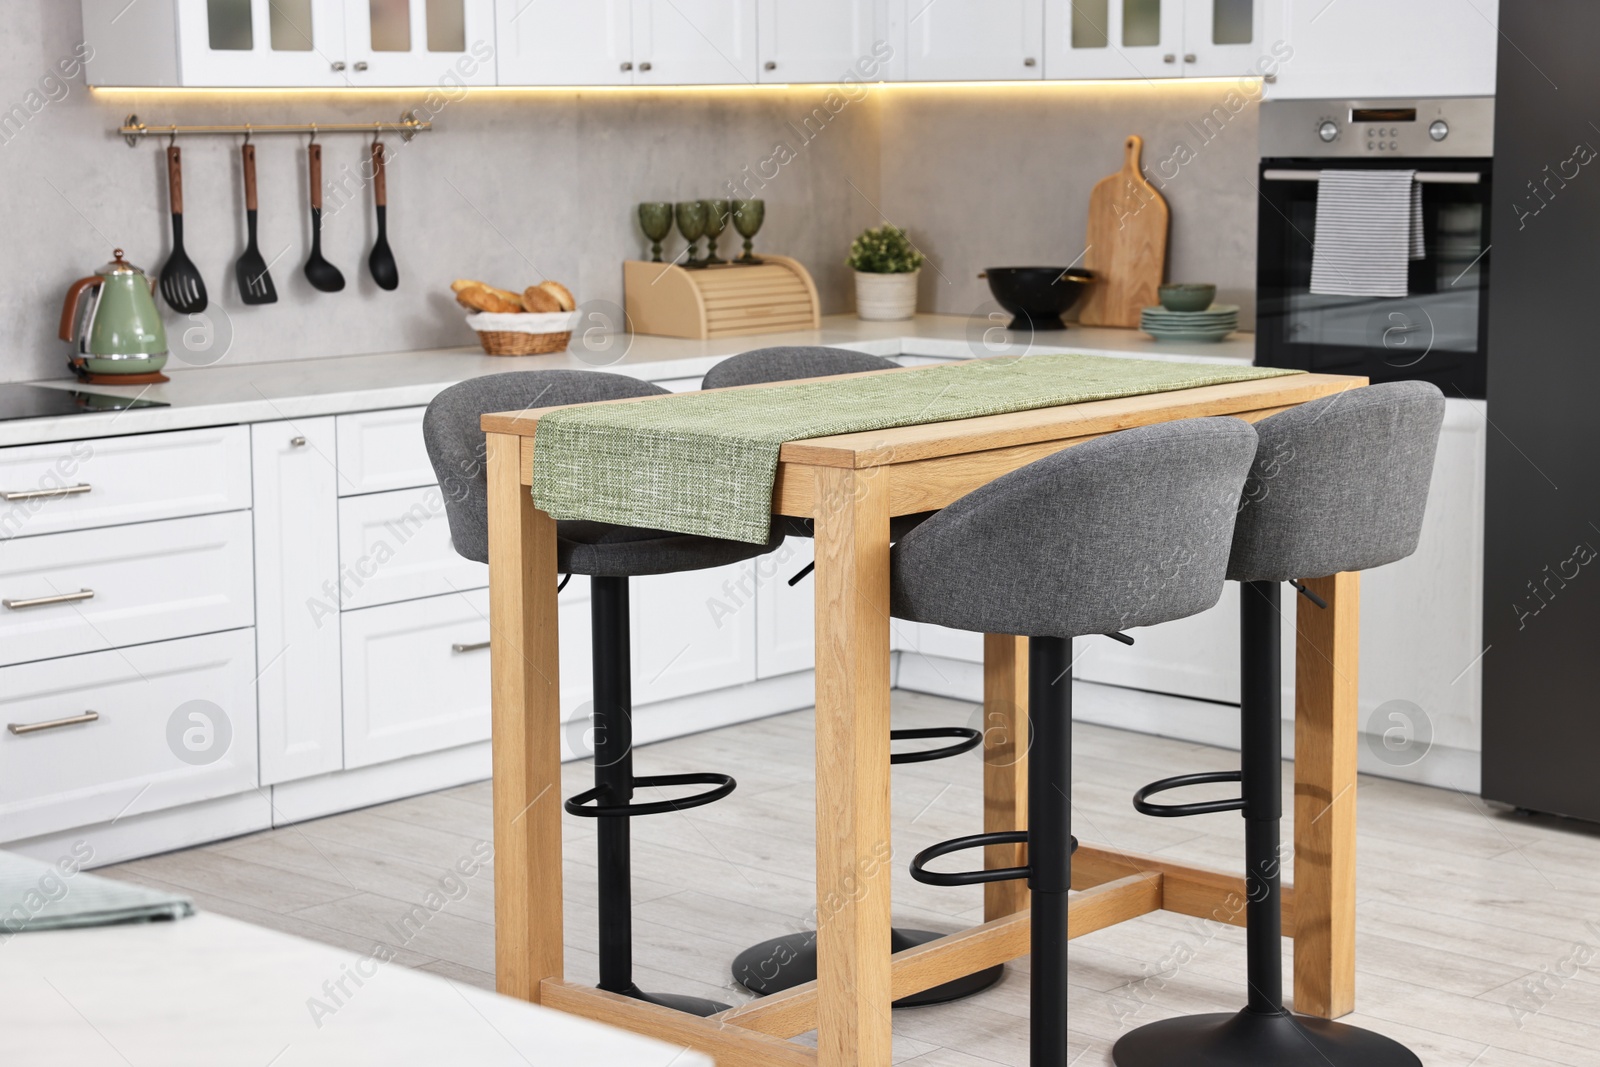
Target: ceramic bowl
1037 296
1187 297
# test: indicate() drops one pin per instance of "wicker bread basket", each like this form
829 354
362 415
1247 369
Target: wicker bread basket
523 334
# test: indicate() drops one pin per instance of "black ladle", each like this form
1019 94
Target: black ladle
381 261
181 284
319 272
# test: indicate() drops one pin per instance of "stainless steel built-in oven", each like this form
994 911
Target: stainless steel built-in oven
1438 331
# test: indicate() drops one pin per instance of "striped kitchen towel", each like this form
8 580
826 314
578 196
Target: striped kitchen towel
1369 227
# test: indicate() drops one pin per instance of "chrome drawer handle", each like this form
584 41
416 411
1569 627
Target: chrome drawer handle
45 601
46 494
475 646
35 727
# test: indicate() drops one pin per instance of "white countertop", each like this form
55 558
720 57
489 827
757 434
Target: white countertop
261 392
210 990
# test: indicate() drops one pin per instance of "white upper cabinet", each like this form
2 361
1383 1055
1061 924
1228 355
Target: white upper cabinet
1154 38
284 43
1378 48
557 42
418 42
694 42
826 41
970 40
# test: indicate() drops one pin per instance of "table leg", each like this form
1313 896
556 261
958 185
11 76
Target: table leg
1005 766
1326 734
854 851
526 728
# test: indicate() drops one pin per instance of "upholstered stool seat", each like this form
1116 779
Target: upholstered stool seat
609 555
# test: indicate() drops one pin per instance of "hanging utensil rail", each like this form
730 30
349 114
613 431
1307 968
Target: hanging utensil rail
407 127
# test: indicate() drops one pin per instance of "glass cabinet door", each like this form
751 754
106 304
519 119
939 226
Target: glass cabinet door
1223 38
1115 38
420 42
272 43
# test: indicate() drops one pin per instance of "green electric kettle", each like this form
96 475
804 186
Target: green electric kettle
119 332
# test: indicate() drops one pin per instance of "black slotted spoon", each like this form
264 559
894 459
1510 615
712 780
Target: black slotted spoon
322 275
255 284
181 284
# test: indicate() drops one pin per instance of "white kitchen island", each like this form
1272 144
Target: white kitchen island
271 553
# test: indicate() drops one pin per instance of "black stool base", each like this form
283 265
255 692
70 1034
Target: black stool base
794 957
1259 1040
677 1002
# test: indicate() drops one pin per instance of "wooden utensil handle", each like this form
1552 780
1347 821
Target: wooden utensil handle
380 188
1130 153
314 154
175 178
249 153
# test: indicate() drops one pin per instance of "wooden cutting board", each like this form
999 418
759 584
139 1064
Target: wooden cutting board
1127 244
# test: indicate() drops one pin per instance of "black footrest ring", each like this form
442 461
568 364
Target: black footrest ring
1141 799
969 740
960 844
584 803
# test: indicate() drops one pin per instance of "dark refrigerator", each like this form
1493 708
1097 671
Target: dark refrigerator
1541 673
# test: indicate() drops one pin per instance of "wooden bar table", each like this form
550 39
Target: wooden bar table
851 484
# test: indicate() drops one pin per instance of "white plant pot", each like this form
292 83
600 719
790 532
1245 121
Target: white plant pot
886 297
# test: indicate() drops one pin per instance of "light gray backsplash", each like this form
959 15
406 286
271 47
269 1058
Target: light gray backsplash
512 188
998 177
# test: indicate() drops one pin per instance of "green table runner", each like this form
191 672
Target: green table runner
704 463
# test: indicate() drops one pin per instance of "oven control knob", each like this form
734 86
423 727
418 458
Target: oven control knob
1439 130
1329 130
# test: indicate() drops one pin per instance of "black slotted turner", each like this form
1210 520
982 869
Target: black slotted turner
255 284
181 285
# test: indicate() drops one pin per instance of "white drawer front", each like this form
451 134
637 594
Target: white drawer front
407 689
129 479
396 546
381 450
176 724
150 582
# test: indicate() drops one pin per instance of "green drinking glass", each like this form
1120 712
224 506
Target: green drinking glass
748 216
655 218
717 217
692 224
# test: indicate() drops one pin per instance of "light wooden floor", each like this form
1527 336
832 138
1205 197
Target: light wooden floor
1479 931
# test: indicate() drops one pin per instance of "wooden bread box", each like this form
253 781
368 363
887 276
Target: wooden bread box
775 296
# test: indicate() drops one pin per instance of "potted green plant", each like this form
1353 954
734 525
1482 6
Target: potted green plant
887 265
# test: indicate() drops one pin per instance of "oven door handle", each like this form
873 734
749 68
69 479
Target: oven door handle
1426 177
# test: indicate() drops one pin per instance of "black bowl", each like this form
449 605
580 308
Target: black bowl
1037 296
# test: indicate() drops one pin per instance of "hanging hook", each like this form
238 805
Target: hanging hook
172 137
247 133
313 134
377 131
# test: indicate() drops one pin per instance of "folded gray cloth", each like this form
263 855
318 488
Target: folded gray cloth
1369 227
52 896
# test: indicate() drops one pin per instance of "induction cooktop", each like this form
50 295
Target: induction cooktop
38 402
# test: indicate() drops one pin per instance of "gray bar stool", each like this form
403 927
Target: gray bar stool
1339 484
789 960
609 555
1130 529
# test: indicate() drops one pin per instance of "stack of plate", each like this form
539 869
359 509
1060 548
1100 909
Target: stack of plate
1212 324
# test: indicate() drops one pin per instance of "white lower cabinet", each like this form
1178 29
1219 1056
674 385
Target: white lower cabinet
89 590
173 723
693 632
396 546
297 619
786 615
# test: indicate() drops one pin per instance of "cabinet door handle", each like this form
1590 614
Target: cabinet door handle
1188 57
46 494
646 66
337 65
627 66
297 442
1169 58
35 727
361 64
1030 62
772 65
473 646
46 601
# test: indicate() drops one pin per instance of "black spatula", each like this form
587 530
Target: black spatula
181 285
381 261
255 284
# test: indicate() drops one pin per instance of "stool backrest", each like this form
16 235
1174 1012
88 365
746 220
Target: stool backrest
1129 529
786 363
456 444
1339 484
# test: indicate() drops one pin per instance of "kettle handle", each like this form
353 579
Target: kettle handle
69 310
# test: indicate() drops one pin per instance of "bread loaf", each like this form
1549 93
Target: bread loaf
540 300
562 294
482 297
